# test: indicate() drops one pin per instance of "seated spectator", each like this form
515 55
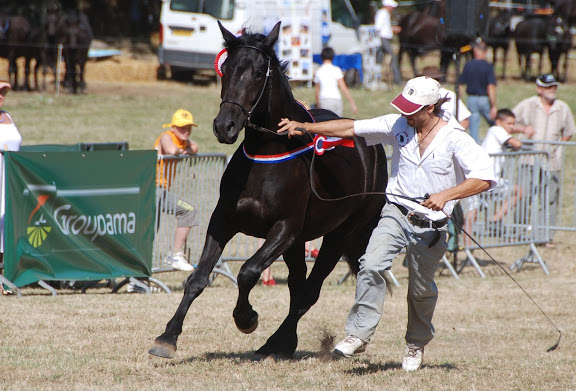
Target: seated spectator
176 141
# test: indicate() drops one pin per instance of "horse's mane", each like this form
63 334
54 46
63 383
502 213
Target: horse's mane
255 39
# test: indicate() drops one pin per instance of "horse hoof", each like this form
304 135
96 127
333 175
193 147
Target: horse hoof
250 329
162 349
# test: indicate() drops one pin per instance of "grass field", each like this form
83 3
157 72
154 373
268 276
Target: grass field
489 335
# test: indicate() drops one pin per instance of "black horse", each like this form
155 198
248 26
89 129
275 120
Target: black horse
559 47
75 33
539 33
275 201
498 37
566 9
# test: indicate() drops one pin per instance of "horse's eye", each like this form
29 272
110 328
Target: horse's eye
259 74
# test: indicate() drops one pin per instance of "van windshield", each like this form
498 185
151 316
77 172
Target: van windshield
220 9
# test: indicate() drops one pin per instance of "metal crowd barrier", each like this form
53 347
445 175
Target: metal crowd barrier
197 179
515 212
566 217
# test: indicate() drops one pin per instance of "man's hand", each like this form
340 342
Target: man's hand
529 131
434 201
493 111
287 125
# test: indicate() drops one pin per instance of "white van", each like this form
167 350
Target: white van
190 38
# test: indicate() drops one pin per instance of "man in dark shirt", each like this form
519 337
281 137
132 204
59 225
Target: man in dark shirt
478 76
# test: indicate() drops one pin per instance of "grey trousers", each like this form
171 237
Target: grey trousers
387 48
393 233
185 212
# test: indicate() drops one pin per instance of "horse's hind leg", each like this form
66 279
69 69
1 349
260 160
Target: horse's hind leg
304 293
165 344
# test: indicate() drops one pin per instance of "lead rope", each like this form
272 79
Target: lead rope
553 347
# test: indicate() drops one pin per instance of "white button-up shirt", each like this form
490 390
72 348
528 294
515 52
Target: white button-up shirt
383 24
451 157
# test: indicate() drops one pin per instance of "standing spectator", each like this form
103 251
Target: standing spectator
176 141
450 106
478 76
10 140
430 148
543 117
383 26
329 81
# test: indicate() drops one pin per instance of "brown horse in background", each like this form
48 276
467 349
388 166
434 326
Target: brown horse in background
14 34
420 34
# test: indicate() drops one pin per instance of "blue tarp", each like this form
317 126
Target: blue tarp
345 62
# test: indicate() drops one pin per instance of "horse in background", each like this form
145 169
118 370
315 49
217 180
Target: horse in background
559 46
420 33
538 34
35 59
274 199
498 37
74 32
14 34
566 9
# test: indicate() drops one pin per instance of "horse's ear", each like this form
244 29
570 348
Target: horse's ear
271 39
228 36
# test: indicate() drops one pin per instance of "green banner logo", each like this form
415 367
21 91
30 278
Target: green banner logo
38 232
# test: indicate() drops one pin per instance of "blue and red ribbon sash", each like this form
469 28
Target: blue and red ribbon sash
320 145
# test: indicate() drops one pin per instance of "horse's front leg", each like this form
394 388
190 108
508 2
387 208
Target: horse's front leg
304 293
277 241
216 239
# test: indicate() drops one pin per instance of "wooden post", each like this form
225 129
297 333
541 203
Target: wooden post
58 64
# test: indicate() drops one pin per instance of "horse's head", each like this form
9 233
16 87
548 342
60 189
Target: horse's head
245 75
558 32
499 26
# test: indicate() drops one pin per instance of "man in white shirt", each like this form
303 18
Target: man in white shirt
434 164
383 26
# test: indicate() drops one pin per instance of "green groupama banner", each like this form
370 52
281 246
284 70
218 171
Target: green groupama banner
79 215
